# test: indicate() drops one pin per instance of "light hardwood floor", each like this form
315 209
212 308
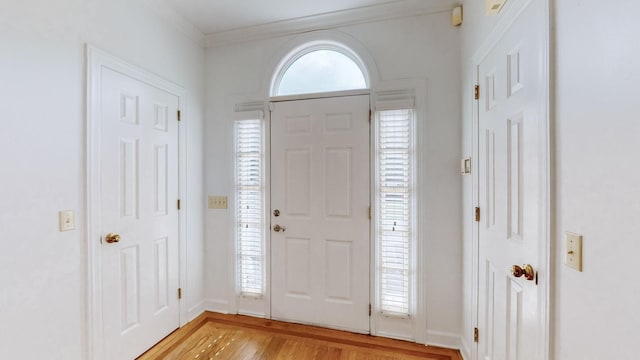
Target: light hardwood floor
218 336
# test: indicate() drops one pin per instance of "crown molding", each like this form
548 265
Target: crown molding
329 20
177 21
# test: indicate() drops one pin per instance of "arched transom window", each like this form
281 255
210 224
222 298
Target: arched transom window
318 70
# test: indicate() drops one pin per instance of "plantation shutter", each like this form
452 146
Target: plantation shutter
394 205
249 203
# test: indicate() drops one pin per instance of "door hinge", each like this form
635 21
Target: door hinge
178 204
369 309
476 335
477 214
476 92
179 293
179 115
369 212
370 115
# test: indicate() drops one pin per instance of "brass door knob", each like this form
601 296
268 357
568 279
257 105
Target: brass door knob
526 270
112 238
278 228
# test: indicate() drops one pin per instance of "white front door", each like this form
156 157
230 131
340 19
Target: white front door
139 190
320 187
512 191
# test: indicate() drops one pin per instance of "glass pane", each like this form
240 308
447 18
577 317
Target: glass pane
321 71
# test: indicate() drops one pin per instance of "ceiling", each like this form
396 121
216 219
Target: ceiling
214 16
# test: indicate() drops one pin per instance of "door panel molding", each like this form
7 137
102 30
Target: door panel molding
97 60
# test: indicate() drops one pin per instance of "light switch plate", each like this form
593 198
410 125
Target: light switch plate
67 221
465 166
217 202
493 7
573 252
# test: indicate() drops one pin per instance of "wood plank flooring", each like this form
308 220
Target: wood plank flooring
218 336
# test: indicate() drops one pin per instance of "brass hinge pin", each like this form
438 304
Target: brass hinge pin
476 335
179 293
179 115
476 92
477 214
178 204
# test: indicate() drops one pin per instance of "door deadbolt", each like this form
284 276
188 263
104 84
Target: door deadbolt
276 212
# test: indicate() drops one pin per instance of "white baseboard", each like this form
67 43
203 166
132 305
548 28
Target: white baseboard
443 339
219 306
196 310
465 350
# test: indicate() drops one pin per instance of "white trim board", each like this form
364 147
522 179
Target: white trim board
443 339
96 60
218 306
329 20
465 351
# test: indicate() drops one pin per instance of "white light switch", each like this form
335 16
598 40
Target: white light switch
573 251
67 221
217 202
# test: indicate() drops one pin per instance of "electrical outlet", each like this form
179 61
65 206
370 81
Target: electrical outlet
217 202
573 252
67 221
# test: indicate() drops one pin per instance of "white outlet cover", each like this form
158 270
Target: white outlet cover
67 221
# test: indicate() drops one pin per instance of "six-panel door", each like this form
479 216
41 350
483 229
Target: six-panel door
139 189
320 185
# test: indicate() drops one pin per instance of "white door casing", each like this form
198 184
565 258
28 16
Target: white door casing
513 191
134 187
320 184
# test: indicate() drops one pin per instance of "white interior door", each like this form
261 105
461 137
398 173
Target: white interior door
139 190
512 191
320 186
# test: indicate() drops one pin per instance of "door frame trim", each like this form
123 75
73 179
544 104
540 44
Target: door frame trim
324 95
97 60
510 15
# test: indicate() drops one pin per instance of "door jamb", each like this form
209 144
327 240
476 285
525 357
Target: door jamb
511 13
96 61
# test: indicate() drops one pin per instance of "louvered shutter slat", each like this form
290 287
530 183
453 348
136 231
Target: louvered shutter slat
394 202
249 197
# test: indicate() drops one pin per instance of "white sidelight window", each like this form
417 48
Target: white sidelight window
249 192
394 146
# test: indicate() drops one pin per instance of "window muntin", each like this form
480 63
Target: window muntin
394 195
321 71
249 206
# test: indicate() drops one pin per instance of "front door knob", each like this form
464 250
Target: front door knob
526 270
278 228
112 238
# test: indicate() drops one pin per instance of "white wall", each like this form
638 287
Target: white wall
424 47
597 128
596 183
42 157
